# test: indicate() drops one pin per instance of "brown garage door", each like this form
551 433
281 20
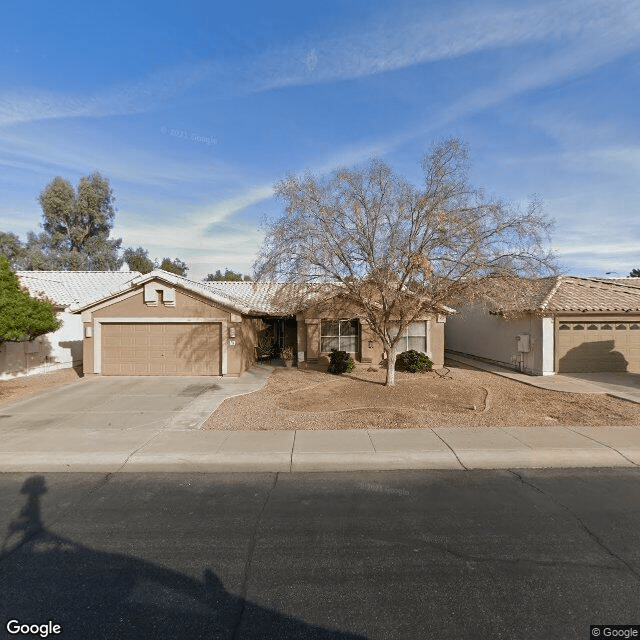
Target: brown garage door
598 346
161 349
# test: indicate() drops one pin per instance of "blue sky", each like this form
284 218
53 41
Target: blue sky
193 110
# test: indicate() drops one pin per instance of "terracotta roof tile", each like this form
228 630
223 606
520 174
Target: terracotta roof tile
576 294
592 294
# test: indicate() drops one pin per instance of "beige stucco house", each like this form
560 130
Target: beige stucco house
570 324
163 324
62 348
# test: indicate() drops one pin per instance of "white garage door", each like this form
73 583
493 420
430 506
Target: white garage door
598 346
169 349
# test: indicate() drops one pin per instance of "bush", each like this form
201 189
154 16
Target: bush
21 316
413 361
339 362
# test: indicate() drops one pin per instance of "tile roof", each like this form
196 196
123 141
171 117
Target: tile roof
261 296
556 294
66 288
575 294
571 293
257 296
250 298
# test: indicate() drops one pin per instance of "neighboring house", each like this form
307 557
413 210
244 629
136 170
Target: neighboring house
570 324
63 348
164 324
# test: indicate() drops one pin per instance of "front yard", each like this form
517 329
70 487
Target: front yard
26 386
313 399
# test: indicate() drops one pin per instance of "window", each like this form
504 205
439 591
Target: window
564 327
414 337
339 334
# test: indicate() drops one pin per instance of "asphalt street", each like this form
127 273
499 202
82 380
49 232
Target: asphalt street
400 554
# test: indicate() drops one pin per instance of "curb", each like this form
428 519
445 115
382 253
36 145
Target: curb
285 462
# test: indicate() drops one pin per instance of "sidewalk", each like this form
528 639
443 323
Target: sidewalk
192 450
163 434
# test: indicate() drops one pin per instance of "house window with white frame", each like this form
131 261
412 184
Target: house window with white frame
414 337
343 335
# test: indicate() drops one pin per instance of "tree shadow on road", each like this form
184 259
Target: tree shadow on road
94 594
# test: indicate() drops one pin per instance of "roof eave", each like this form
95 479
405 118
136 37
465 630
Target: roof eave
160 274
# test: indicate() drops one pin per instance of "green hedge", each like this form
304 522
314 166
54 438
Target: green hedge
340 362
413 361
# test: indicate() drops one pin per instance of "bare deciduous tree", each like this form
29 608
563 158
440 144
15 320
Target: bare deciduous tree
395 251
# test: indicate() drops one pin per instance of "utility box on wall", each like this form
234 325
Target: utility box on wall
523 341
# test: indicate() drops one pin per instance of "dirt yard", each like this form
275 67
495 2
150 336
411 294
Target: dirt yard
19 388
313 399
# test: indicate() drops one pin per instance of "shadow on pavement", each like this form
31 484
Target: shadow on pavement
622 379
93 594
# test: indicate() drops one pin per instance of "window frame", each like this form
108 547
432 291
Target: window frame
407 336
340 335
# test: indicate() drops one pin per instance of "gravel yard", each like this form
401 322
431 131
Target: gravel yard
19 388
313 399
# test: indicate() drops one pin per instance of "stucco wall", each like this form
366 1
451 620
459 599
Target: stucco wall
474 331
309 325
187 305
435 341
241 356
61 349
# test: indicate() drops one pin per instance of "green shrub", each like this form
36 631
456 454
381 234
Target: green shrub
22 317
340 362
413 361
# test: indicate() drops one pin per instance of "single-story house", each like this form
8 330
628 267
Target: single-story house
164 324
570 324
60 349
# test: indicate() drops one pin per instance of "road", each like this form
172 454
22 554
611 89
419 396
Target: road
408 554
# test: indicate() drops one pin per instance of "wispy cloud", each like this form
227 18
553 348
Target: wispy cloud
190 237
219 211
38 150
546 71
428 38
33 104
598 260
597 30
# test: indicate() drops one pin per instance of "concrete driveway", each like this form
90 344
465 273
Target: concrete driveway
114 415
620 384
623 385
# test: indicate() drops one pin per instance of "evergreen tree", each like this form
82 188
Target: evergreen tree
138 260
174 266
77 224
11 248
227 275
22 317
